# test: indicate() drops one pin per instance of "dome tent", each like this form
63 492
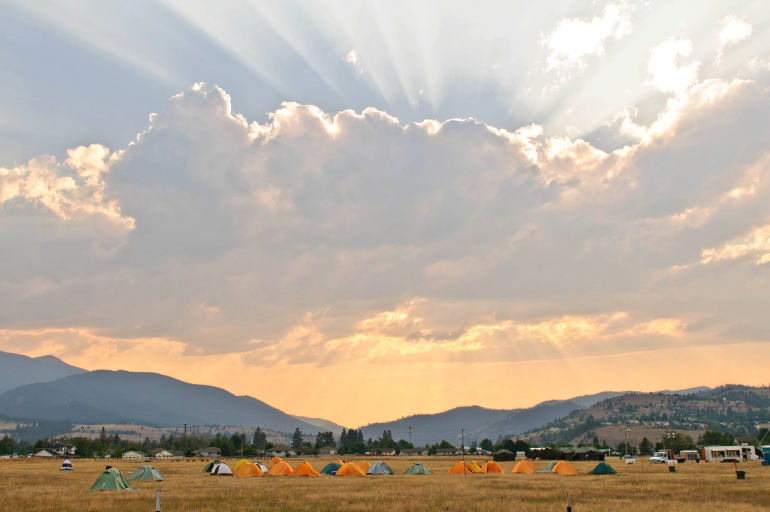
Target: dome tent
238 465
602 469
146 473
276 460
305 469
564 468
221 469
548 468
248 470
331 468
491 467
364 466
111 480
350 469
66 466
459 468
379 468
523 466
261 466
210 466
418 469
280 469
475 467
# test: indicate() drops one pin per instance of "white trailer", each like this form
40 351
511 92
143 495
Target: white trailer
729 453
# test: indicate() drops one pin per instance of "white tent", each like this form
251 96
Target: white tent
261 467
221 469
66 466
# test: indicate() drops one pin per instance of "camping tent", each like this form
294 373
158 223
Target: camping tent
280 469
350 469
221 469
379 468
475 466
459 467
146 473
364 466
248 470
238 465
276 460
111 480
602 469
564 468
504 455
491 467
66 466
305 469
330 468
418 469
210 466
523 467
261 466
548 468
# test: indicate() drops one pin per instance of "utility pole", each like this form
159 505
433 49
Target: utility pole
462 431
626 431
410 435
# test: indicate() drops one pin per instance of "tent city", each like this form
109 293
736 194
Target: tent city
411 255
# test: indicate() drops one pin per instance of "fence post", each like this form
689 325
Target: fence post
157 500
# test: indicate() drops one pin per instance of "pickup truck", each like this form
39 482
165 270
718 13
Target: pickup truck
660 458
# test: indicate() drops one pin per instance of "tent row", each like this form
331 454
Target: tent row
568 454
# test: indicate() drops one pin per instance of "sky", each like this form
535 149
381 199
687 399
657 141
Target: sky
364 210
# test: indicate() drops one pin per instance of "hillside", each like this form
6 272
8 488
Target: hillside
321 424
18 370
735 409
524 419
119 396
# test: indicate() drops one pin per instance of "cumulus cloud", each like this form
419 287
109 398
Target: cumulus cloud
318 238
576 40
666 73
734 30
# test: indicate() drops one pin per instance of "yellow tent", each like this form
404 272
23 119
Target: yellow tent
364 466
564 468
350 469
239 464
276 460
305 469
491 467
523 467
459 468
248 469
280 469
475 466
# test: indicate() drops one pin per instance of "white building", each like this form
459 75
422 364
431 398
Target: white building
729 453
132 455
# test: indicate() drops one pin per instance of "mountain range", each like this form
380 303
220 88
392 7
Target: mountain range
17 370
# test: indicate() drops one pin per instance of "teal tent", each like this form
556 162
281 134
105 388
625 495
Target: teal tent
548 468
330 468
210 466
146 474
602 469
111 480
418 469
379 468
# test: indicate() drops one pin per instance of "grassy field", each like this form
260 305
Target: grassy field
27 484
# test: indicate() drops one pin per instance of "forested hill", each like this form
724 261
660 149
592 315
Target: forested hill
18 370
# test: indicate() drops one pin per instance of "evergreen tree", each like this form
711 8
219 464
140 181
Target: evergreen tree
296 440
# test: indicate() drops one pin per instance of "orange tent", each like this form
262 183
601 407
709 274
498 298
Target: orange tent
276 460
280 469
248 470
523 467
239 464
350 469
459 468
491 467
364 466
564 468
305 469
339 462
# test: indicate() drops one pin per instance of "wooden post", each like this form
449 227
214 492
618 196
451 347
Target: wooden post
569 505
157 500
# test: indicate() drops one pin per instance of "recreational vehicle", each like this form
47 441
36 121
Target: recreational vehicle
729 453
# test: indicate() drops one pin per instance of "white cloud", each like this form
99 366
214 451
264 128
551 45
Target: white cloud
756 241
576 40
667 75
352 59
734 30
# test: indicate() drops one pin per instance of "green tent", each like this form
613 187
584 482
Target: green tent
418 469
210 466
379 468
602 469
548 468
146 474
330 468
111 480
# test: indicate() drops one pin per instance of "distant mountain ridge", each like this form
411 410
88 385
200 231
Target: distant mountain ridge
118 396
18 370
322 424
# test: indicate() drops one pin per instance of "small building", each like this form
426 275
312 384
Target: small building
281 451
162 453
449 451
327 450
414 452
133 455
211 451
304 450
45 454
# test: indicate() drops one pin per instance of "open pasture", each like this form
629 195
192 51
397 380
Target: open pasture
38 485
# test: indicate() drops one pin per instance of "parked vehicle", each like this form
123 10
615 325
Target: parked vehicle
729 453
660 458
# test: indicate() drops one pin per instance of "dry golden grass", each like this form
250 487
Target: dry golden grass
27 484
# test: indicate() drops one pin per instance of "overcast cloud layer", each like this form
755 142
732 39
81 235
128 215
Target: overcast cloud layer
322 243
